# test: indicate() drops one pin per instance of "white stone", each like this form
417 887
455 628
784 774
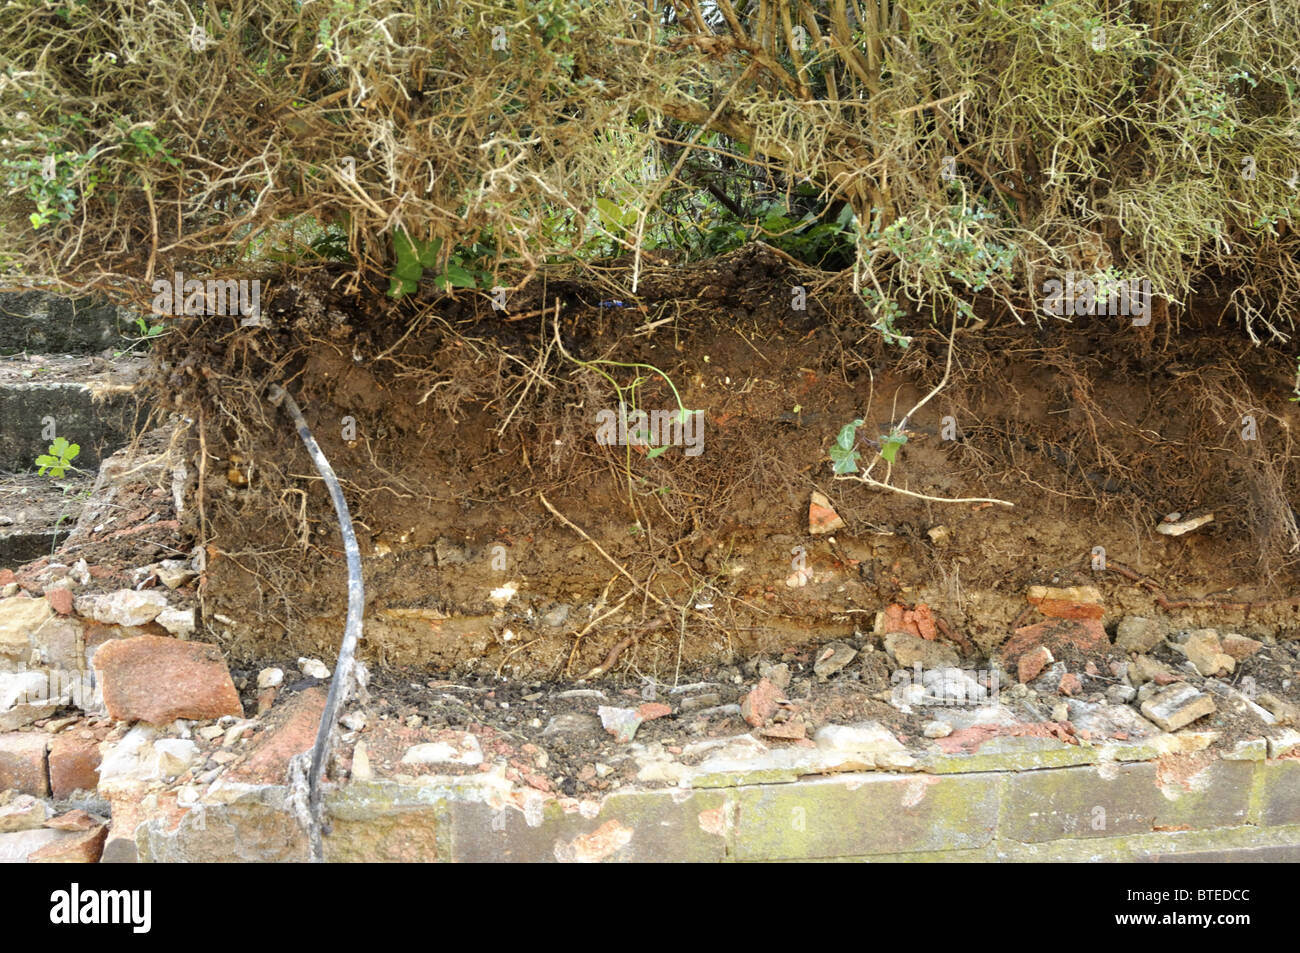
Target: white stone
465 751
313 668
211 732
270 678
354 720
129 761
503 594
361 763
20 616
866 737
179 622
937 729
128 607
22 812
175 755
24 688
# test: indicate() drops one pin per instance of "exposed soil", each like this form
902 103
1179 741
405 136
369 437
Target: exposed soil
466 421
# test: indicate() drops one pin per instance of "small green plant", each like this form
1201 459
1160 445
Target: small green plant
843 452
414 257
58 460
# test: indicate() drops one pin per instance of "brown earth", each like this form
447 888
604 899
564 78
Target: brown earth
467 421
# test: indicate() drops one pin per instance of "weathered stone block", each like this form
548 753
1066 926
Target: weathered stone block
866 814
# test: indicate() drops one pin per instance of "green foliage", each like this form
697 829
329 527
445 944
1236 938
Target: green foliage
59 458
414 257
843 452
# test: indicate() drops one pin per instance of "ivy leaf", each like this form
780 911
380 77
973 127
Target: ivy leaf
848 435
889 445
456 277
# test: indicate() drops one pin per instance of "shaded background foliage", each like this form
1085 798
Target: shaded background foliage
934 148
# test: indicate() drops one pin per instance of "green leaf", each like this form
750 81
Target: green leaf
655 451
889 445
848 435
456 277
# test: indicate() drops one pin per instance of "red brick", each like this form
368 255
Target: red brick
918 621
1032 663
74 764
83 848
158 680
652 710
1083 635
292 731
760 704
60 600
22 763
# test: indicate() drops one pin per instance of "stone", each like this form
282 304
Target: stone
1073 602
792 730
951 686
85 847
911 650
1177 705
361 770
210 732
1281 709
1204 651
15 848
129 763
128 607
270 678
556 617
832 658
1146 669
1120 694
22 763
174 573
1138 634
21 812
936 729
175 755
179 622
313 668
353 720
24 698
696 702
157 680
864 737
1069 684
1032 663
20 618
1238 646
622 723
75 820
778 674
572 723
761 703
458 747
74 765
822 518
1108 721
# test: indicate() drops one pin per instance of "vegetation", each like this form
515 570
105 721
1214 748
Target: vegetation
933 150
